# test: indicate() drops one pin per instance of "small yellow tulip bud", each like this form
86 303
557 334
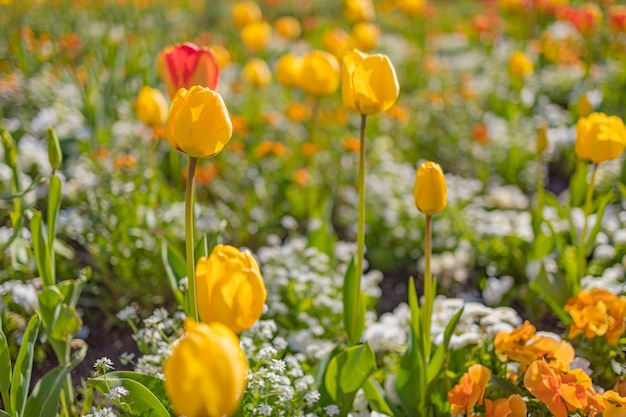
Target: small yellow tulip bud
412 8
256 73
584 107
230 288
288 27
151 107
600 138
256 35
359 10
55 156
199 124
542 138
288 69
365 36
520 66
430 188
337 42
205 375
246 12
320 74
369 83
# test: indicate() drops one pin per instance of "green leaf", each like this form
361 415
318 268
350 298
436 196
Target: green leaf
578 185
44 399
590 241
376 397
4 414
436 364
145 392
54 204
68 323
202 248
5 362
72 288
50 300
353 304
175 269
40 247
347 372
553 289
23 367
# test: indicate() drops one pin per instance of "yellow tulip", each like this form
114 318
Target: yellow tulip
365 36
337 42
288 27
412 8
222 54
151 106
256 73
320 73
256 35
359 10
520 66
369 83
541 140
429 189
584 107
246 12
230 288
288 69
205 375
600 137
199 124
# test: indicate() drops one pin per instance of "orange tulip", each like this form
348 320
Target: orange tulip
186 65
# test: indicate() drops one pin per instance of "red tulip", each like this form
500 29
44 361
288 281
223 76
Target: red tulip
187 65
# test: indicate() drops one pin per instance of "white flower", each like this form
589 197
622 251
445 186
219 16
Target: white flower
332 410
311 397
264 410
103 364
116 393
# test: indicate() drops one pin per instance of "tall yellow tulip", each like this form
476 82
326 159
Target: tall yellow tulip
369 83
256 73
199 124
600 138
230 288
520 66
205 375
429 189
320 73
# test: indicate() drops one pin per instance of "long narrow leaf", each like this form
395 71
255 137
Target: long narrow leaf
376 397
353 306
23 367
40 247
5 365
175 269
54 204
45 397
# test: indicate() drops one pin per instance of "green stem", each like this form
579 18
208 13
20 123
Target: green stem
360 237
540 184
587 210
189 239
428 285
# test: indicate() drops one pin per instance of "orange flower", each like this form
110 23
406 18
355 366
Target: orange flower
187 65
240 124
302 177
514 406
597 312
124 161
352 144
523 346
470 390
310 149
561 391
614 403
480 134
266 147
617 18
297 112
205 174
399 113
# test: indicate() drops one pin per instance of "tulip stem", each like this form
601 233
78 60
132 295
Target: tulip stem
428 284
587 211
360 237
189 239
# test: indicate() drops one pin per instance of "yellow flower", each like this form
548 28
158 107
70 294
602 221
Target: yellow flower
198 123
584 107
430 188
246 12
337 42
365 35
288 69
257 73
151 106
288 27
597 312
205 375
369 83
541 140
222 54
615 404
320 73
600 137
359 10
412 8
230 288
520 66
256 35
513 406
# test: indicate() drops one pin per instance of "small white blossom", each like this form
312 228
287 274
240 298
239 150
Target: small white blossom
311 397
264 410
127 313
116 393
331 410
103 364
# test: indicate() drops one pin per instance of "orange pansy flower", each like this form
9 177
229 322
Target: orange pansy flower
470 390
514 406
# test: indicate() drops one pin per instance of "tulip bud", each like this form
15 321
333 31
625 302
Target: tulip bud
584 107
151 107
55 156
365 36
320 74
520 66
337 42
186 65
205 375
412 8
230 288
430 188
246 12
10 149
199 124
257 73
542 138
359 10
288 27
288 69
369 83
600 138
256 35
